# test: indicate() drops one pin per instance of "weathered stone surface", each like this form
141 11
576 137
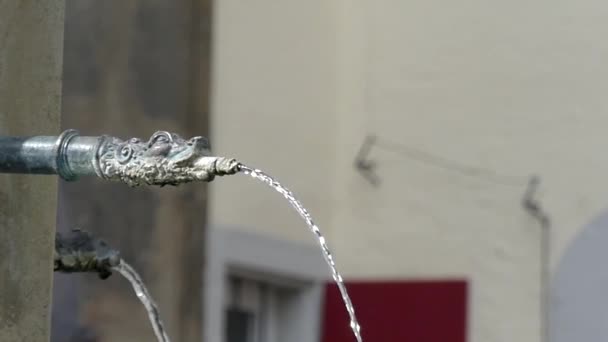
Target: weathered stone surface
31 49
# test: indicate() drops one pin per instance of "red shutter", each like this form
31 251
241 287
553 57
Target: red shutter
399 311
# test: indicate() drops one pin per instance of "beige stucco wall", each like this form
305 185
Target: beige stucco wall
273 104
513 87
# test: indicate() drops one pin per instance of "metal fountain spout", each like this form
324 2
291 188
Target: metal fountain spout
78 251
164 159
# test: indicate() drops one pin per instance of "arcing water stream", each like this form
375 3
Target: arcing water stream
142 293
144 296
261 176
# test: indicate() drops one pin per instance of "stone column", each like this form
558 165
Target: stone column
31 49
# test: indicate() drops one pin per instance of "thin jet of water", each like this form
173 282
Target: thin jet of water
261 176
144 296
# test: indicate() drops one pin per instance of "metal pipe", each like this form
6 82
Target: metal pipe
67 155
164 159
534 208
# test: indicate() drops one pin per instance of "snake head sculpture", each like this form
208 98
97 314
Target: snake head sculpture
165 159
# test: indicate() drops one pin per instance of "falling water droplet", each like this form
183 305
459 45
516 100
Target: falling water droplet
263 177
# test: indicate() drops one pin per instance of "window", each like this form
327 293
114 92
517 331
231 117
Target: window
261 290
258 310
239 325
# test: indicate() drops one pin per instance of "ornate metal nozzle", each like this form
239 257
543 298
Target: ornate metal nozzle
79 251
164 159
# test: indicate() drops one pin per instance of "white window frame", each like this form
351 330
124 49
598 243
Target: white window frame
282 263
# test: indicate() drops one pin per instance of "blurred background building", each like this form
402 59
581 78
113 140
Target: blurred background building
466 100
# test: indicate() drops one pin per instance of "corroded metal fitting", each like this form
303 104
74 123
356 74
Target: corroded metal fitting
164 159
79 251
